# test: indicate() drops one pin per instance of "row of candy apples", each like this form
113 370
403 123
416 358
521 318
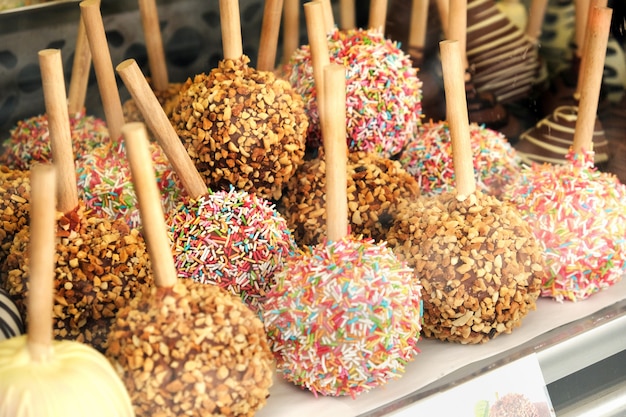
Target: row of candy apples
340 314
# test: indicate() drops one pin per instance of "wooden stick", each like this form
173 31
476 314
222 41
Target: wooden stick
458 122
90 11
347 14
536 16
318 43
231 29
581 9
59 126
336 152
161 128
149 201
418 27
378 15
443 7
599 26
583 48
291 28
80 71
268 44
457 27
154 44
329 19
41 261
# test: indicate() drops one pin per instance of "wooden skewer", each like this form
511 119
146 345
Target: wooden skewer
318 43
597 40
149 199
329 19
161 128
536 15
336 152
291 28
80 71
581 9
417 30
583 48
347 14
443 7
41 261
110 95
457 27
378 15
268 44
154 44
231 29
59 126
458 121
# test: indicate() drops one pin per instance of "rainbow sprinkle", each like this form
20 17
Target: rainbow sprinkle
428 157
105 185
30 140
383 92
344 317
579 216
232 239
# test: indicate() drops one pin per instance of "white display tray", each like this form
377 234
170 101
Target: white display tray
553 330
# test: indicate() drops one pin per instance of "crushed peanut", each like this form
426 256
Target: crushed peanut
14 209
91 283
376 188
242 127
192 350
480 267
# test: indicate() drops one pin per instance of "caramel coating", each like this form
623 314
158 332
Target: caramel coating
191 350
100 266
242 127
376 187
480 267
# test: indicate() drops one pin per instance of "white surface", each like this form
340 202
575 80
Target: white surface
436 360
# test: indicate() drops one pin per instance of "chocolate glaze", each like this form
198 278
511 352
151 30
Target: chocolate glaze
551 138
483 108
503 58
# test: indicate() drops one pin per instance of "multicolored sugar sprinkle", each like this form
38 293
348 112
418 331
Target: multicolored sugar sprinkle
428 157
344 317
383 92
232 239
105 184
30 140
579 216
